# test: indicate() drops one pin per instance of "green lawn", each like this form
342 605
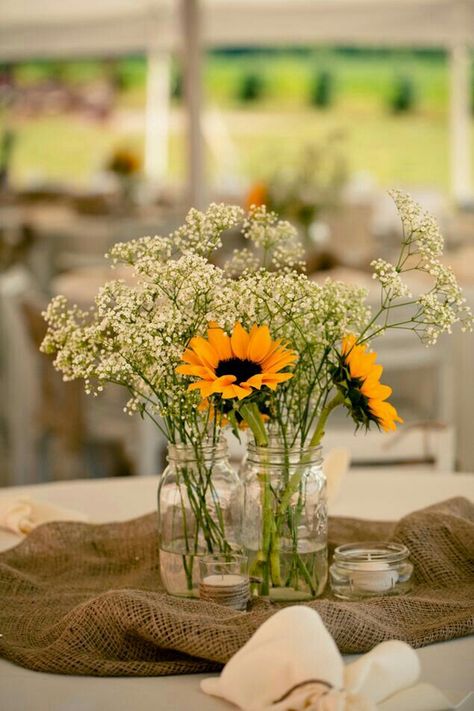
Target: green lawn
395 149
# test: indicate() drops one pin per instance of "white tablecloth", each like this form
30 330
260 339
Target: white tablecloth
369 494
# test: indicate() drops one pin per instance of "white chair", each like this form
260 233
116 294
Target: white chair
19 379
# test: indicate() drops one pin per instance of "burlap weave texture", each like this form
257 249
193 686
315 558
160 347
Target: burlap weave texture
87 599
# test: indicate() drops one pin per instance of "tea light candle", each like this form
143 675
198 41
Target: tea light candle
373 576
224 581
361 570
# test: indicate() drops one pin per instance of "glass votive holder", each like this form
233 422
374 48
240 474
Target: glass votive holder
362 570
224 579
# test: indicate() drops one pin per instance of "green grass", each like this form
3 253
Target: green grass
64 148
365 78
395 149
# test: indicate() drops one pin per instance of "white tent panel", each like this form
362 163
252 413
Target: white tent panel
421 23
53 28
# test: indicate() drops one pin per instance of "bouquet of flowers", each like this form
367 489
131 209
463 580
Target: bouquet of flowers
256 345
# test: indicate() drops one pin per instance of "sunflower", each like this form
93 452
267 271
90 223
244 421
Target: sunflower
358 377
234 366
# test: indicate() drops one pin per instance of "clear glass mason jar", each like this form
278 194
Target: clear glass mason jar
285 522
200 500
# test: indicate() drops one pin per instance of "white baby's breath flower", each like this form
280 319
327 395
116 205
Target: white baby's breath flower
389 277
442 305
275 242
418 225
202 231
137 331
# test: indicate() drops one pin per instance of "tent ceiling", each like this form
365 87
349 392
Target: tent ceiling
53 28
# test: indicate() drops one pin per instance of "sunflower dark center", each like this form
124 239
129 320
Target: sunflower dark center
242 368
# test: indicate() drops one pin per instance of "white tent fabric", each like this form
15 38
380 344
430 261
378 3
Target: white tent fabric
50 28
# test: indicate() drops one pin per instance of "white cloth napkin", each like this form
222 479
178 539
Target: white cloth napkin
335 467
21 515
292 663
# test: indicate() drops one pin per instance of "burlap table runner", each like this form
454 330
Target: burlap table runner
87 599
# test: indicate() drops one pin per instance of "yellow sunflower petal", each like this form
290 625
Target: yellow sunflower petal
279 360
260 343
371 388
204 351
276 345
190 357
255 381
272 380
361 365
239 341
202 385
385 413
240 392
199 371
219 384
357 354
277 377
272 384
348 343
231 391
219 341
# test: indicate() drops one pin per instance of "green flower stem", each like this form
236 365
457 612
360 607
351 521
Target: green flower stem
337 400
267 520
292 487
268 557
188 570
274 553
198 483
253 418
295 480
306 574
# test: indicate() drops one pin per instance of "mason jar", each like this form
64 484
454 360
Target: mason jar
285 522
200 499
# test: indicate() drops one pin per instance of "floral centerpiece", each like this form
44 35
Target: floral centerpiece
256 345
312 188
126 166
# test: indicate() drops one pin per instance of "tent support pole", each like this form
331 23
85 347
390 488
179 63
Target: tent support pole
459 123
192 60
157 115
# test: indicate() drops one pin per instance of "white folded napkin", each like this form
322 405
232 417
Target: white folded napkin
21 515
292 663
335 466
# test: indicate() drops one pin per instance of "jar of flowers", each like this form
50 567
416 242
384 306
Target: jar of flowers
253 345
